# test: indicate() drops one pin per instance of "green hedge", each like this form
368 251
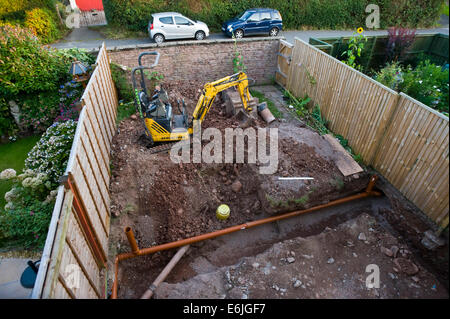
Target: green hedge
318 14
15 10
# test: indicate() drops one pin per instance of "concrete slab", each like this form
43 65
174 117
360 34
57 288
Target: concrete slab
10 271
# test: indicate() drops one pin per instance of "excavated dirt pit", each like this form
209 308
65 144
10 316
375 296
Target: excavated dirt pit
163 201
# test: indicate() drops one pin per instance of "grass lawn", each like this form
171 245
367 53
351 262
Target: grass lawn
13 155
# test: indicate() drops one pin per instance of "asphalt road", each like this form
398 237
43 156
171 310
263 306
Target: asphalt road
90 39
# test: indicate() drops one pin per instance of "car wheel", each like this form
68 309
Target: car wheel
158 38
274 32
239 34
200 35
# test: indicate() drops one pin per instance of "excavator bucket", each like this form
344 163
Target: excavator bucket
244 119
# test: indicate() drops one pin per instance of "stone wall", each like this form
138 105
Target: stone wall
207 60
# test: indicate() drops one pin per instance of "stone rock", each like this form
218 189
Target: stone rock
362 237
330 260
406 266
235 293
290 260
394 250
236 186
387 251
257 207
431 241
133 117
15 112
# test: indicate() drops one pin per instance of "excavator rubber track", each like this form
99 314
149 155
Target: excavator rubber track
165 147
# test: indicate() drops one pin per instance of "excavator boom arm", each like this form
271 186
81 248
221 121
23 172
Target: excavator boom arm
211 89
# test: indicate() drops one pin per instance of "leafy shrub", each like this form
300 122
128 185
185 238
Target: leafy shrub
81 55
427 83
50 155
399 40
39 110
25 66
391 75
39 15
31 75
7 124
29 206
41 23
124 88
125 110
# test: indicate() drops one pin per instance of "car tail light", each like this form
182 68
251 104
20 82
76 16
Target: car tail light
151 26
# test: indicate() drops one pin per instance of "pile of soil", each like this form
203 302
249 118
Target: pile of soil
163 201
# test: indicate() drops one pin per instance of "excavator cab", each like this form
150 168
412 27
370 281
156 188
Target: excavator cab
161 125
155 110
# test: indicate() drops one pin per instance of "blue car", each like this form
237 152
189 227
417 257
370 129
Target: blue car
254 21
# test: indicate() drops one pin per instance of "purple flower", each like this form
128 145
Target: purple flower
31 213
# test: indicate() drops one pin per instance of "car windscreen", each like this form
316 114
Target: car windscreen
181 21
243 16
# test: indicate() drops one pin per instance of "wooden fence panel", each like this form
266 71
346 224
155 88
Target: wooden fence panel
357 107
77 242
414 157
403 139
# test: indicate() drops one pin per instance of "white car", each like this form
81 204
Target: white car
173 25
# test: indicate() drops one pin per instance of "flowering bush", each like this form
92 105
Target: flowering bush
51 153
427 83
391 75
70 95
27 213
40 21
30 201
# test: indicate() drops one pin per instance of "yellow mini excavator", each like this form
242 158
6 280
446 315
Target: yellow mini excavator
161 125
